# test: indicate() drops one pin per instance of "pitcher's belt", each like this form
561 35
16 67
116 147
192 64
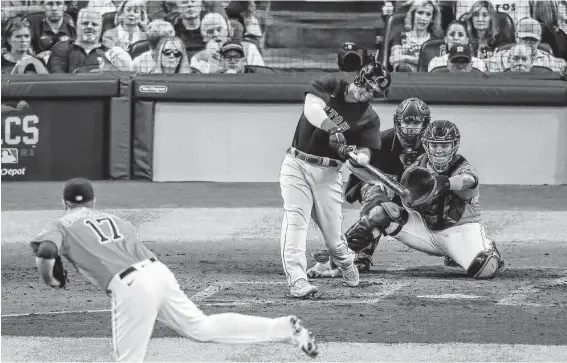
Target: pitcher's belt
313 159
133 268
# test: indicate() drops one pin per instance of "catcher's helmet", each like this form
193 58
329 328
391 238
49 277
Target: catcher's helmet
441 141
375 77
410 120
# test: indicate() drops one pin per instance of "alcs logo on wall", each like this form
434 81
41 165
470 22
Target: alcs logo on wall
20 135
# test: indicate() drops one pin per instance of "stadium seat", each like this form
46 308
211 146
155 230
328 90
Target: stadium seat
395 25
506 26
446 70
540 69
108 21
544 47
536 69
429 50
138 48
258 69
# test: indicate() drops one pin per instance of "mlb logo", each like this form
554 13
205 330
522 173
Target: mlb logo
9 156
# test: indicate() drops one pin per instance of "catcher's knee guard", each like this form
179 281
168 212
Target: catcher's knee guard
486 264
382 217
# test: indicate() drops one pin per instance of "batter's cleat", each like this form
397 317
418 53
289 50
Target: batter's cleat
304 338
450 262
351 275
303 289
323 269
363 262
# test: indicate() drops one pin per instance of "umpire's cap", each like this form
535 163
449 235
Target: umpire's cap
78 190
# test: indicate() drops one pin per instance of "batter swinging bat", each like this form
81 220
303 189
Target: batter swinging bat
362 159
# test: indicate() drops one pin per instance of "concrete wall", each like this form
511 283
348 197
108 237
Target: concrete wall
247 142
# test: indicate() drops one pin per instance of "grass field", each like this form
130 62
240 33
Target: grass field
222 242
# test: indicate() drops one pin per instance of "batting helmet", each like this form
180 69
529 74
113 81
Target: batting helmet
441 141
410 120
373 76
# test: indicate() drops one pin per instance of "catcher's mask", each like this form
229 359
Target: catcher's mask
441 141
374 77
410 120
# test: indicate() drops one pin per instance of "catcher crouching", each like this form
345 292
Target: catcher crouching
441 214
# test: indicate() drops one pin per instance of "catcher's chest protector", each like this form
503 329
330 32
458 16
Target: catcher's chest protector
446 208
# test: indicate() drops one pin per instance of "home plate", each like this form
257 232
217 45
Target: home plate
450 296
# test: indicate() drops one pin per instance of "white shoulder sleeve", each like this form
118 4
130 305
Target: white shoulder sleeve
314 110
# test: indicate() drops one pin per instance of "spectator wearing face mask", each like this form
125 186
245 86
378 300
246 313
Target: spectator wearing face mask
521 58
456 34
528 31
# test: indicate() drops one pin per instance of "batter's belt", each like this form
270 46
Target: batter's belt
313 159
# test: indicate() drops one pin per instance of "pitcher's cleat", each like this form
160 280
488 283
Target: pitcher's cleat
303 289
304 338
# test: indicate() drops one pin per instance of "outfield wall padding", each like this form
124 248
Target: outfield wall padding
546 89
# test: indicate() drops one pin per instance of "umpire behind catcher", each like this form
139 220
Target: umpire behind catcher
337 118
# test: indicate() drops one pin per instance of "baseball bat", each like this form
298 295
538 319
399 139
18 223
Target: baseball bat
388 182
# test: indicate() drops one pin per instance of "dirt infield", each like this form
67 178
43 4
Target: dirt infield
221 241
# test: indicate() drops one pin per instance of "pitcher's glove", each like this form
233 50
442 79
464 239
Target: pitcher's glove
59 272
422 186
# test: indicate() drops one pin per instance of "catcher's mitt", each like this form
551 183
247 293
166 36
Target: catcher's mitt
59 272
421 185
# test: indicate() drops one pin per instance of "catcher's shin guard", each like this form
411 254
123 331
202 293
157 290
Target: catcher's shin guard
486 264
363 259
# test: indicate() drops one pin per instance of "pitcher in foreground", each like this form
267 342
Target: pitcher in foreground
105 249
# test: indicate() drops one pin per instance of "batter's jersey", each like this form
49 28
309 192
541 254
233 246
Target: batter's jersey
358 121
457 206
98 244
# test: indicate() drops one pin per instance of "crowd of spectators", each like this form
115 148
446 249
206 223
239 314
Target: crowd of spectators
200 36
476 36
143 36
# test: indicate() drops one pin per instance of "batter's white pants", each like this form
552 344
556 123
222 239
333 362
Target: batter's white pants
462 243
310 191
153 292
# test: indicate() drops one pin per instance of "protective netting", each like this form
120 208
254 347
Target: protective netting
194 36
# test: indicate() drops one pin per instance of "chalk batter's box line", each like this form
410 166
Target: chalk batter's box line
389 288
